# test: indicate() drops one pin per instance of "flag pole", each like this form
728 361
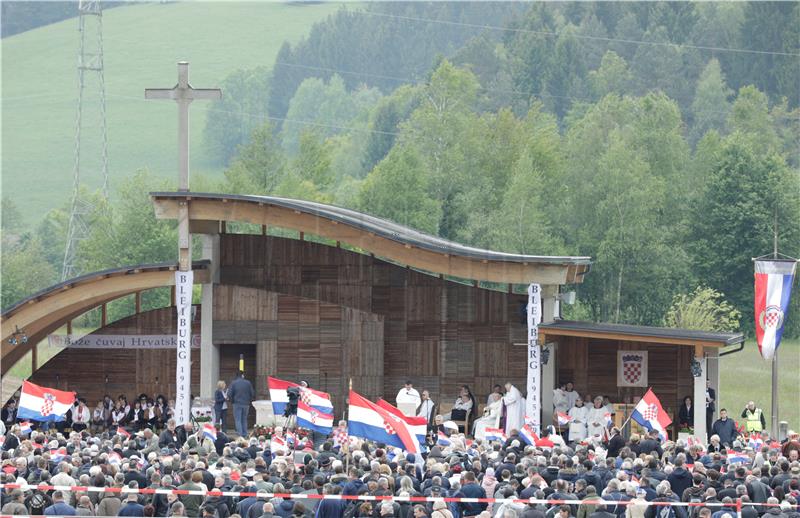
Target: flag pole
774 411
346 446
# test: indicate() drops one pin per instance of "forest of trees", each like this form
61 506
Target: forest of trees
661 139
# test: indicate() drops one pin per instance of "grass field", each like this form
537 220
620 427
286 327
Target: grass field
142 44
745 376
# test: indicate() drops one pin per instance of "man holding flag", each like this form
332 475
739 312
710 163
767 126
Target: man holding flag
650 414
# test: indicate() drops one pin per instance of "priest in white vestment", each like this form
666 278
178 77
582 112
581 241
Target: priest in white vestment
491 416
515 408
407 396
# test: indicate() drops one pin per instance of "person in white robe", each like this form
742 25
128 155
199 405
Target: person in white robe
426 407
596 420
571 394
577 427
560 401
491 417
408 395
515 408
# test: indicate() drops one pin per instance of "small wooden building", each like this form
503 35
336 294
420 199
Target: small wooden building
586 354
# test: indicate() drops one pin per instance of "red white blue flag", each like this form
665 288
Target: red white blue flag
442 439
528 435
311 418
210 431
773 287
650 414
495 434
563 419
417 423
314 398
43 404
369 421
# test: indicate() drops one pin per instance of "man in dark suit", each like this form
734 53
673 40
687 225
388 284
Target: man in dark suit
711 400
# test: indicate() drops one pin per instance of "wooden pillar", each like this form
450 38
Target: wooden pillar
224 228
34 358
103 315
172 295
266 365
137 300
302 236
69 327
263 230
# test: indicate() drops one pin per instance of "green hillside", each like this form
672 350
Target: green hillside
143 43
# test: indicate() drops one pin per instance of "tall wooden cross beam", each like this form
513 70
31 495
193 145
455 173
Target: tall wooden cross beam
183 94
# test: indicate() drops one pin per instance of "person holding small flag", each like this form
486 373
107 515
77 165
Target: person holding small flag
578 418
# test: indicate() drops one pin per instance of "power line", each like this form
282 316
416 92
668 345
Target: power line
578 36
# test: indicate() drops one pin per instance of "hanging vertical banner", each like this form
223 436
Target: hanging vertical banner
183 376
533 404
773 287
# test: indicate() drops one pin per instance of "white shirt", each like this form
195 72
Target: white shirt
406 396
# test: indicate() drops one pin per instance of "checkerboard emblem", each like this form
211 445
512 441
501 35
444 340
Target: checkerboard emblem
771 318
632 368
651 412
47 406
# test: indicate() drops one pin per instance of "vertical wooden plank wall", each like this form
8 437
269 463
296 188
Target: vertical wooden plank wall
397 323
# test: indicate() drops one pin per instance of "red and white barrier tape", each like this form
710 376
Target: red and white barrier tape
413 499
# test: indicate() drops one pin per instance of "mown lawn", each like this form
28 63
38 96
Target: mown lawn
745 376
142 44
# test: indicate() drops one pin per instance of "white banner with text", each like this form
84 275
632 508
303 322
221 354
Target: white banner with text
533 410
118 341
183 374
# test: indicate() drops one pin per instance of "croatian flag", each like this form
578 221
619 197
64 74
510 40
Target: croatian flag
372 422
313 419
123 432
563 419
314 398
43 404
25 427
277 444
650 414
419 425
210 431
291 438
608 419
773 287
58 455
528 435
340 437
442 439
735 457
495 434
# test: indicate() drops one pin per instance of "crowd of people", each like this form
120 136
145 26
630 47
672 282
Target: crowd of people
568 477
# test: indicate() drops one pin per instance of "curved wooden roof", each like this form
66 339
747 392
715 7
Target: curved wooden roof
381 237
46 311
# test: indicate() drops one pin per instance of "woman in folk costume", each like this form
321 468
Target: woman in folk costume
491 417
515 408
596 418
577 426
